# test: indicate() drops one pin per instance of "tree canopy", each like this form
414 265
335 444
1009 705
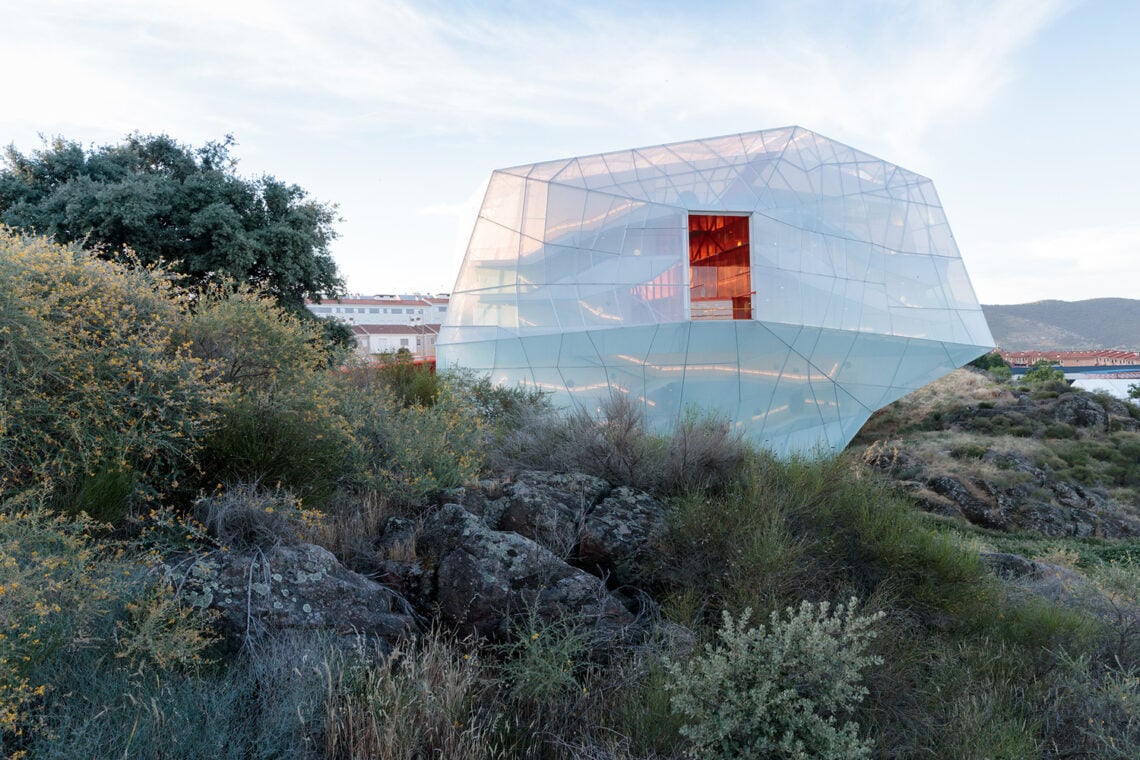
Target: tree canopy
186 206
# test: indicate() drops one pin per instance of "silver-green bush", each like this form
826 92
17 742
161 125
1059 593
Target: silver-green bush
778 691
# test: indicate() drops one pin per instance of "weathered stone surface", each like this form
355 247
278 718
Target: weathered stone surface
479 578
287 587
620 532
1060 585
549 507
1079 410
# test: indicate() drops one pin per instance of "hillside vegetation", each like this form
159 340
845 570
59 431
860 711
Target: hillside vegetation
1110 323
179 470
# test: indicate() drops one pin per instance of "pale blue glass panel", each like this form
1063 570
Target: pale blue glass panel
566 266
922 362
668 243
564 209
610 237
531 267
976 327
594 171
801 151
627 380
492 242
534 210
667 218
503 203
510 377
547 169
697 154
625 346
586 386
868 394
603 269
912 280
929 324
548 380
495 309
601 305
537 313
476 355
872 360
738 194
665 160
963 354
852 422
769 142
509 354
567 306
729 149
594 217
577 350
571 174
778 296
622 169
831 349
542 350
955 283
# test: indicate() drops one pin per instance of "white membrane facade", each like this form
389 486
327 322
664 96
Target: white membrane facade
779 279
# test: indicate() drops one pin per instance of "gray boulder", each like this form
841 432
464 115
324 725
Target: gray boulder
620 534
289 587
548 507
479 579
1080 410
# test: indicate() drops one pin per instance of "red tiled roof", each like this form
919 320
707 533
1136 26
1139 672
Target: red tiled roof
395 329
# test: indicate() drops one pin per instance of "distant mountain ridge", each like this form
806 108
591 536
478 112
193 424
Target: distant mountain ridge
1066 325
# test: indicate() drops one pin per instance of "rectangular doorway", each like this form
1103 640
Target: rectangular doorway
720 271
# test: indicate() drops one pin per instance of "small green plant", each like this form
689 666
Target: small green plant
781 691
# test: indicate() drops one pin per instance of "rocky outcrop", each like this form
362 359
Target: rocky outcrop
605 531
1080 411
289 587
549 508
479 579
619 534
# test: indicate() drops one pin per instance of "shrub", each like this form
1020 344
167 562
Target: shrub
614 443
410 453
282 423
97 395
68 608
779 691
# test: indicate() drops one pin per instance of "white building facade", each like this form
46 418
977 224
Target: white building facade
779 279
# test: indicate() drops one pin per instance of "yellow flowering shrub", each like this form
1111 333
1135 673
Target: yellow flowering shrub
281 419
96 398
53 589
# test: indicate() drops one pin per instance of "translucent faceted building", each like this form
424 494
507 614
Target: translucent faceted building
779 279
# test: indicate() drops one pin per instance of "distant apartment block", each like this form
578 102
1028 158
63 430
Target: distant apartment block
383 323
383 310
380 339
1100 358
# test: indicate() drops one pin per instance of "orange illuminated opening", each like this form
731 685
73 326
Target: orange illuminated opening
720 275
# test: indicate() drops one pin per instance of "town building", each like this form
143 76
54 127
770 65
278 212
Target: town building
779 279
1097 358
382 324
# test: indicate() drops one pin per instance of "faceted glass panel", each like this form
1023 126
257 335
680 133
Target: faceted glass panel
778 278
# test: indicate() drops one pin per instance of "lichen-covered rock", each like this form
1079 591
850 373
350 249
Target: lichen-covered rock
1079 410
548 507
289 587
480 578
620 533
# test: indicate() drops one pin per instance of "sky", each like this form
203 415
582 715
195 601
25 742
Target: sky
1024 113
